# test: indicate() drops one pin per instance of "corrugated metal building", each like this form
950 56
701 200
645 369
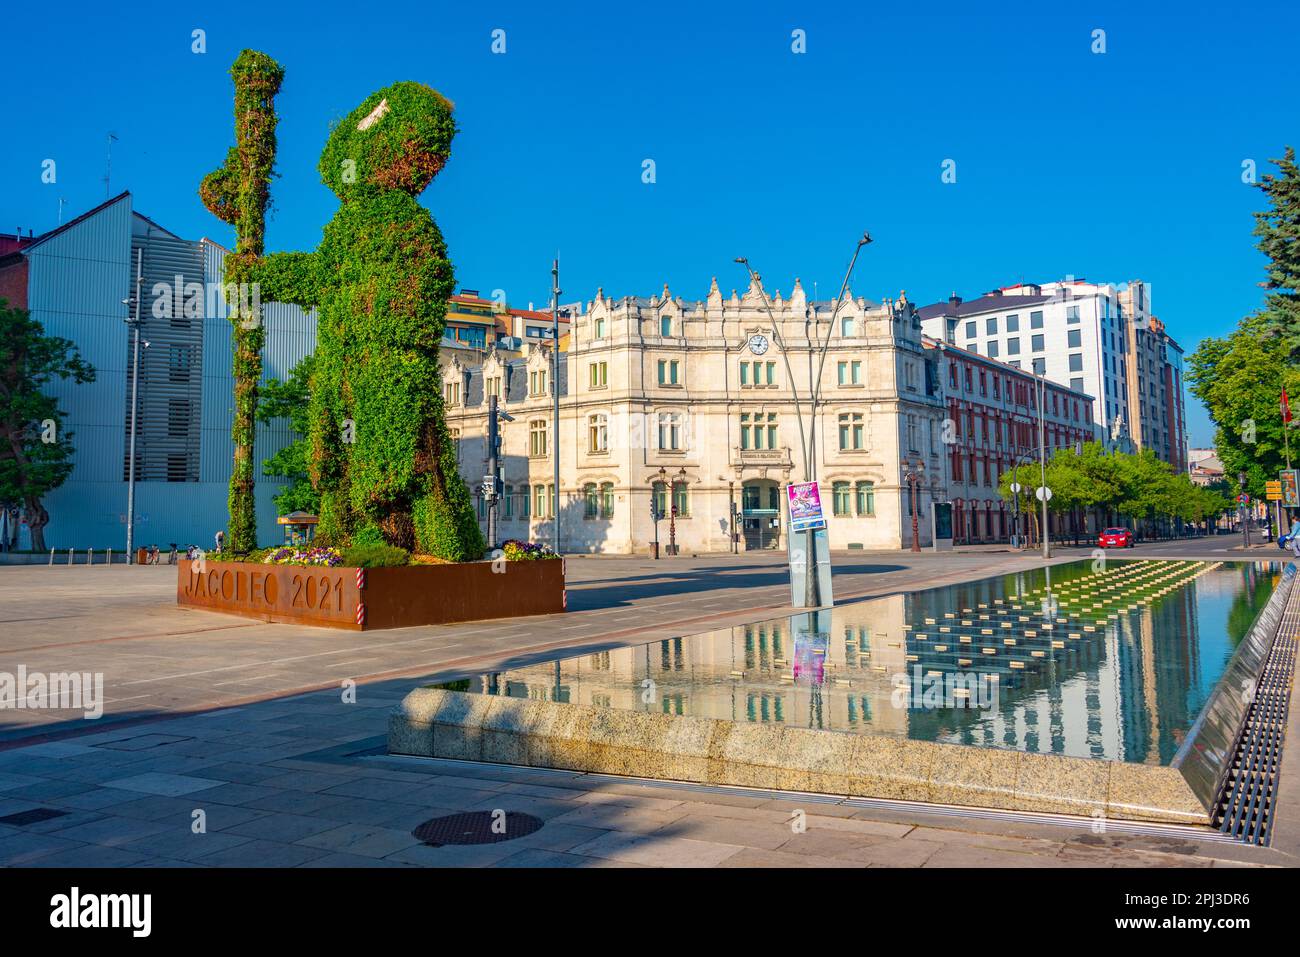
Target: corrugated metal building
77 278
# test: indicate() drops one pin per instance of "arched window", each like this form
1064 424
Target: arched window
607 500
659 493
681 500
509 499
591 501
840 498
865 492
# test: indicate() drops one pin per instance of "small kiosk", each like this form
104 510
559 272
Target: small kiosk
299 527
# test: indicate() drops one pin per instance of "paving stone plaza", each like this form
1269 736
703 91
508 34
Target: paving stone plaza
278 735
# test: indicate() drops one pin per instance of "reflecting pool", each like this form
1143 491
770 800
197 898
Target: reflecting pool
1108 660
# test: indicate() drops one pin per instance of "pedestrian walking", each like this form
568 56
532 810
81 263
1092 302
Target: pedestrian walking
1294 540
220 539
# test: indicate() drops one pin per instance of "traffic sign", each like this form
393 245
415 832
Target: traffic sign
1243 499
1273 491
1044 494
1015 488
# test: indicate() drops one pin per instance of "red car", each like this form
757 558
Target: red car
1116 538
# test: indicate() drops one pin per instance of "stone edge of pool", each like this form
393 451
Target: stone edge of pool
436 723
1206 755
439 723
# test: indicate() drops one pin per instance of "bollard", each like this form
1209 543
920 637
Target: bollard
51 556
108 556
69 557
90 556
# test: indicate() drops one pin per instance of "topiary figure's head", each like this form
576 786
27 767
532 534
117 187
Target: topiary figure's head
397 139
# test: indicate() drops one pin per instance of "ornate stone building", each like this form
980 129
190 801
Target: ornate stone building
690 405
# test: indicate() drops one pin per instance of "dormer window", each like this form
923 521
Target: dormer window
600 328
665 326
848 327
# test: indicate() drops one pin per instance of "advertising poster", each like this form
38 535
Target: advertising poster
1290 488
805 507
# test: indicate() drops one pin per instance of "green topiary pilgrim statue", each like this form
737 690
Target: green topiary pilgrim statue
381 456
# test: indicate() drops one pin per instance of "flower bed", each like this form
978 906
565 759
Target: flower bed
516 550
328 557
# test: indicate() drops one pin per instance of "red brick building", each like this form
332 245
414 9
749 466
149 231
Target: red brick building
992 424
13 269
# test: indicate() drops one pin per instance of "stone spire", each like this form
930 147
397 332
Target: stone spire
798 300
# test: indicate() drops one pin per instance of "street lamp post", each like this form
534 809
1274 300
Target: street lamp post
812 591
731 510
133 322
1043 492
1241 509
492 482
654 505
678 479
1015 503
555 392
914 482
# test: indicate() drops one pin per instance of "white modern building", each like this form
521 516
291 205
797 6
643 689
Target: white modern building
1098 338
1073 332
76 280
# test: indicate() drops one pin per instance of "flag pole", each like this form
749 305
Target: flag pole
1286 423
1286 444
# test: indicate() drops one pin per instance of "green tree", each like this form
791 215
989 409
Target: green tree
1240 377
1278 229
35 451
238 193
290 400
1082 481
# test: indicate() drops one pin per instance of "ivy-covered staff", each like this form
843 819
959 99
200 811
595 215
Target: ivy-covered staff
238 194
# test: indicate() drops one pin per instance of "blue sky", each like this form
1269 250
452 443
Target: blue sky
1111 166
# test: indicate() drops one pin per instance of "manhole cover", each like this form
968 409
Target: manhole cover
34 816
476 827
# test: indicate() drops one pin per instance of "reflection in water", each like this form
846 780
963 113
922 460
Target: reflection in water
1113 663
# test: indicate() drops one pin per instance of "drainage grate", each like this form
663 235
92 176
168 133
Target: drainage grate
1246 802
34 816
477 827
142 742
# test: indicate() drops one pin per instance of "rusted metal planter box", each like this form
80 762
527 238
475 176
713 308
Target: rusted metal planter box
362 599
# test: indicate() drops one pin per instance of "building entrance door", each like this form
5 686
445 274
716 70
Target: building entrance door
760 501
